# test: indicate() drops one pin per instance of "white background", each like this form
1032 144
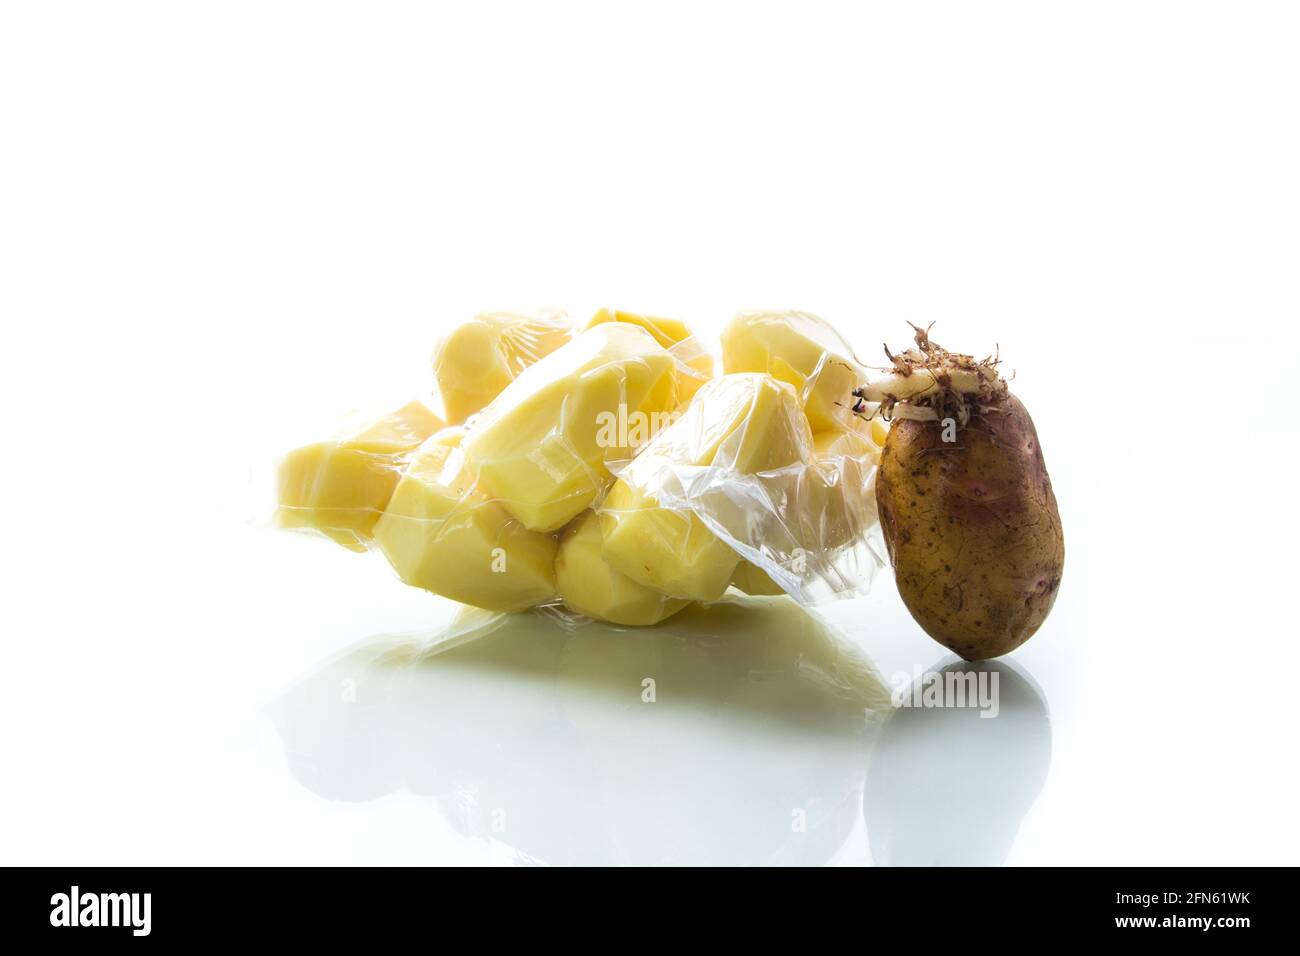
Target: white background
222 224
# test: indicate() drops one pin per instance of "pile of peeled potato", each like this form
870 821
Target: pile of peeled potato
552 472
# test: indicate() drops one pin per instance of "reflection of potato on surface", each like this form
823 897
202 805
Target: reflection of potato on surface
993 768
538 736
763 705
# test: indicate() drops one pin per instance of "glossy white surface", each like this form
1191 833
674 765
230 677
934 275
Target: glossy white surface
220 229
741 734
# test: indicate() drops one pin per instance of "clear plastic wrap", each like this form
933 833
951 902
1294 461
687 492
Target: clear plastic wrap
475 362
543 445
740 478
340 486
443 534
603 469
804 350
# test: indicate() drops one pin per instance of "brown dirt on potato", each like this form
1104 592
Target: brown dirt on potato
972 528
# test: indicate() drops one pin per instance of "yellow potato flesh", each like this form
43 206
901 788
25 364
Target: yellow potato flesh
746 423
751 579
441 535
541 447
823 509
670 333
588 585
832 445
340 487
479 358
790 346
879 431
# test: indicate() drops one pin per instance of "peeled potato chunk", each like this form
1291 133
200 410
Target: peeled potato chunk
821 507
802 349
479 358
590 586
751 579
846 444
541 447
828 511
340 487
671 334
743 423
879 431
440 534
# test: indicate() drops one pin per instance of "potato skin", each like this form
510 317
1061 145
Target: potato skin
972 529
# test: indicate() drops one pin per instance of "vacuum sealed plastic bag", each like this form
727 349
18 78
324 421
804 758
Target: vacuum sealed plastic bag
739 491
603 468
479 358
341 486
441 533
542 446
803 350
736 426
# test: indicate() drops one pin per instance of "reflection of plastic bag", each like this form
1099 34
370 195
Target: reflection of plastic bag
520 711
711 473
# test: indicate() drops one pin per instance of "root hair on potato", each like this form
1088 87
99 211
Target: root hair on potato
929 383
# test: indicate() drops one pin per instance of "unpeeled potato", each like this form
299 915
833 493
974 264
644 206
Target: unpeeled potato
972 528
